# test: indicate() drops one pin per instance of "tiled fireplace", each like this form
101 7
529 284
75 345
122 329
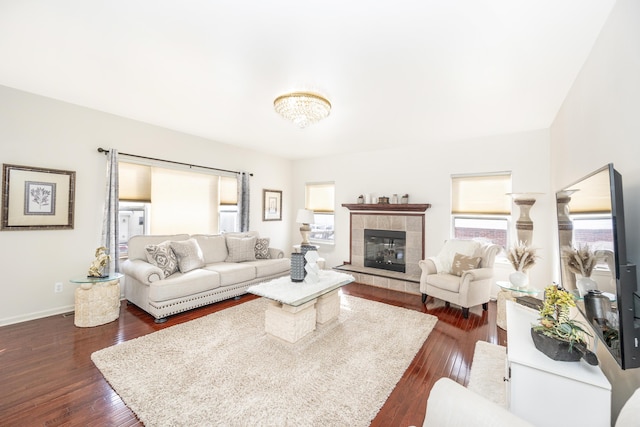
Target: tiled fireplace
397 247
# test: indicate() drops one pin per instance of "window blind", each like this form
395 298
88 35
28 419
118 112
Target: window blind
320 197
481 194
134 182
228 190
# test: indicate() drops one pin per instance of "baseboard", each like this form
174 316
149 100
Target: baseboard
36 315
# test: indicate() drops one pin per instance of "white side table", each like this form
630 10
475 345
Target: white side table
97 300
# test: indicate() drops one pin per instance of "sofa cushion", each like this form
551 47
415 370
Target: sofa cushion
262 248
214 247
189 255
269 267
231 273
444 259
137 244
241 248
462 263
184 284
163 257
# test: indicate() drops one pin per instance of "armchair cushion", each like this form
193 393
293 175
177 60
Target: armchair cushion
444 259
462 263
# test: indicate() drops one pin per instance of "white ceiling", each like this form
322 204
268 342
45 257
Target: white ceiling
397 72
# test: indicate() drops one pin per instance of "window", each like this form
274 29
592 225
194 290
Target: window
320 198
481 207
160 200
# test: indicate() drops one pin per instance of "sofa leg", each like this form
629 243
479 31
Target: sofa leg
160 320
424 298
237 297
465 312
485 306
447 304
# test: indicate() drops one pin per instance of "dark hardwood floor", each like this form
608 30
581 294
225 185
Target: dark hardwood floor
47 377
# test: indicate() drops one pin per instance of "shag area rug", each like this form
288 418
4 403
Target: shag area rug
488 371
223 370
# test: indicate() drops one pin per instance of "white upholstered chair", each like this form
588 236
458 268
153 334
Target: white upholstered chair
462 274
453 405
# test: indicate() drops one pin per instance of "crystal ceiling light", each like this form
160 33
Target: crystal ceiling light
302 108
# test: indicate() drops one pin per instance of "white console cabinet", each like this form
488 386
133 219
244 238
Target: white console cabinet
546 392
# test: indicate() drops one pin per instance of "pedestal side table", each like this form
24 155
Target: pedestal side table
97 300
509 292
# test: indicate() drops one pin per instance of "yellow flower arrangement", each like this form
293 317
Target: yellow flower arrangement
555 320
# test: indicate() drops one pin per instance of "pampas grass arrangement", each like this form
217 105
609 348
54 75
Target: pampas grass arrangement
521 256
581 260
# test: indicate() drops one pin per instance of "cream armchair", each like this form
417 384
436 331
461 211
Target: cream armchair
461 274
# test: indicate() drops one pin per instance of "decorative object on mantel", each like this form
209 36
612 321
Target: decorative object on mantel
581 261
360 199
302 108
97 266
305 217
383 200
409 207
557 335
394 199
405 199
522 258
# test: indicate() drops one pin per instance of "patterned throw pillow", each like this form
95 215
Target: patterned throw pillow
462 263
162 256
262 248
189 255
241 249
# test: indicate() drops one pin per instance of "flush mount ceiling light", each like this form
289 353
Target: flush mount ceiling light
302 108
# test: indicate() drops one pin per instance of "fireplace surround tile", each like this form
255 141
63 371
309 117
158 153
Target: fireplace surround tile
409 221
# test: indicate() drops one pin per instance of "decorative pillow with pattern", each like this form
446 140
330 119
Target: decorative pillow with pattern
162 256
462 263
189 254
262 248
241 248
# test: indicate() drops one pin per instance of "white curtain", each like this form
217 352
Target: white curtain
243 200
109 238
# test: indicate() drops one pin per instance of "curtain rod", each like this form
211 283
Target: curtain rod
102 150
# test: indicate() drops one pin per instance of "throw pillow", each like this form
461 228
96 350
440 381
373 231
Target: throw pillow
262 248
162 256
241 249
462 263
189 255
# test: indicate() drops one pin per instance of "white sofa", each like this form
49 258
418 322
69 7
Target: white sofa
169 274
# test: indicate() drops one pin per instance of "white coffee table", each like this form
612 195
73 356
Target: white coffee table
295 307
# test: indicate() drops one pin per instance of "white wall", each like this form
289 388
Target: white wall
599 123
41 132
424 173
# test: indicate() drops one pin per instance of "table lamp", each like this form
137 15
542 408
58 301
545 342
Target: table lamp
305 217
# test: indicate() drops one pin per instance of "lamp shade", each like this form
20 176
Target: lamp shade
304 216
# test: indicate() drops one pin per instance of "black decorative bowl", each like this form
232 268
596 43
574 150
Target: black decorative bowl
554 348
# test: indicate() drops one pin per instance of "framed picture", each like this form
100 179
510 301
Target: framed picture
272 205
36 198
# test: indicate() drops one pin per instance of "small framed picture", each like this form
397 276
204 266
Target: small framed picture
272 205
36 198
